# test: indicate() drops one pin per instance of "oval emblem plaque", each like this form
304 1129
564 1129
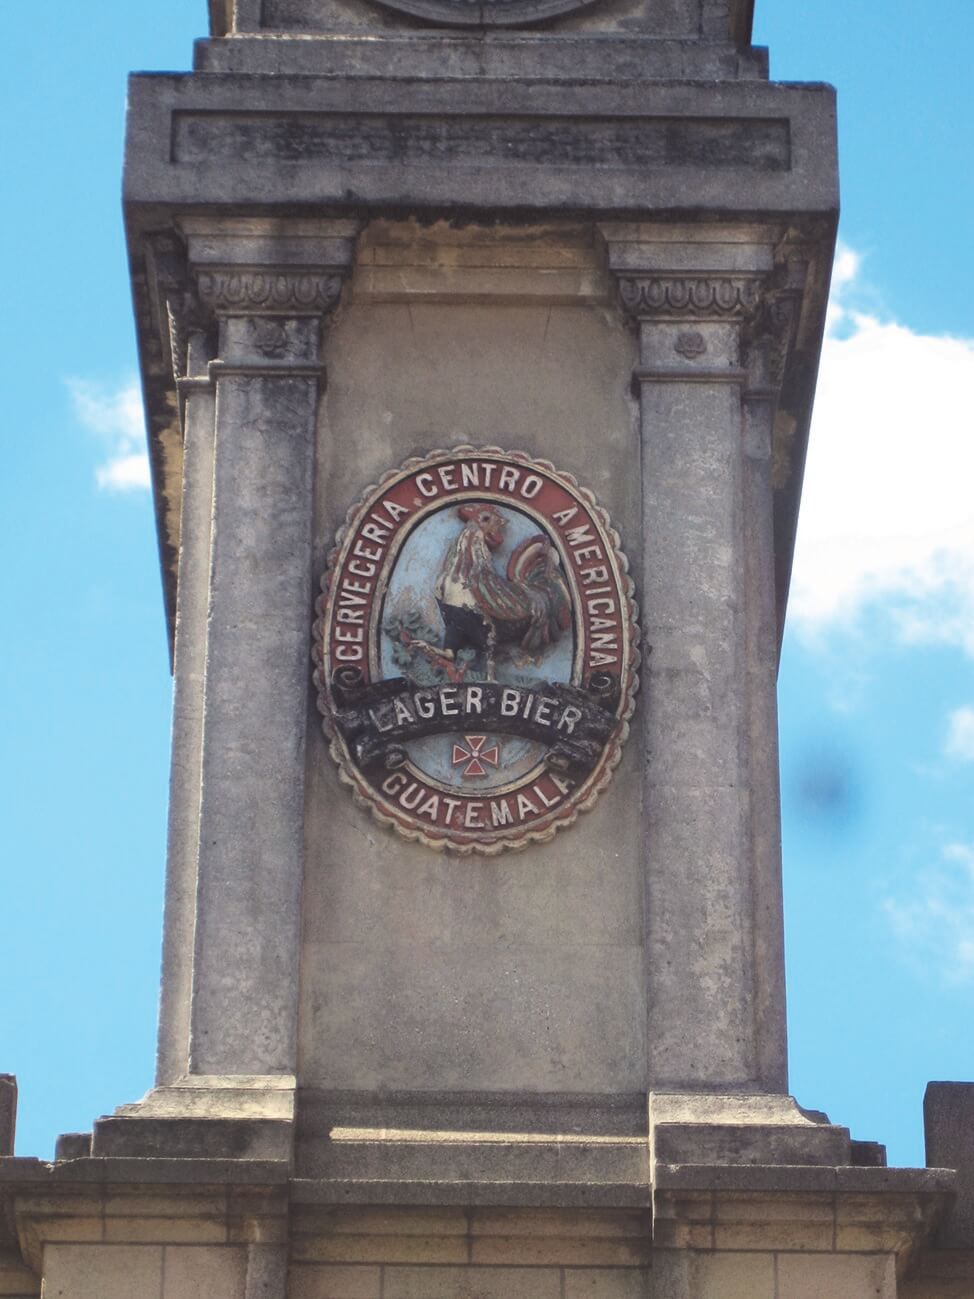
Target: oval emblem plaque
476 649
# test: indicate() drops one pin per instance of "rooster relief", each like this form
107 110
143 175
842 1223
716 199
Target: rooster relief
487 614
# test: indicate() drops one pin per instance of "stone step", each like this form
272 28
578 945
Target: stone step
480 1157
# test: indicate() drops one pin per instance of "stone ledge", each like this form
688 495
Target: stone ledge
405 142
733 1129
22 1174
609 1195
606 56
803 1178
192 1138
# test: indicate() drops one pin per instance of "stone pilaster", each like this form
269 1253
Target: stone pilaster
245 340
191 349
716 1017
270 286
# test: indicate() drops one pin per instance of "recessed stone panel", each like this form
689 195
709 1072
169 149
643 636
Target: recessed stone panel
761 144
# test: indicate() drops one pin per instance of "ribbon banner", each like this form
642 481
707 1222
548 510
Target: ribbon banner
377 721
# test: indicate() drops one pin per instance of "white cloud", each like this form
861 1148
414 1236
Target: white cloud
960 735
115 415
936 924
888 507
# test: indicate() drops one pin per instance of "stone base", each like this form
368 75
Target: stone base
238 1229
200 1117
704 1128
440 1196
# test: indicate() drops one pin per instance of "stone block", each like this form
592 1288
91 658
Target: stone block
794 1235
364 1220
941 1274
948 1119
828 1276
552 56
176 1231
213 1272
72 1145
74 1228
349 1248
560 1223
474 1015
741 1130
607 1283
455 1157
543 1251
191 1138
482 1282
338 1282
775 1208
165 1206
17 1281
773 150
103 1271
733 1276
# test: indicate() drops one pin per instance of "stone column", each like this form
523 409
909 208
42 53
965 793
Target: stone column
713 910
270 285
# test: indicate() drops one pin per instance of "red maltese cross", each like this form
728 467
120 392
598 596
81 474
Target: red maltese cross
472 755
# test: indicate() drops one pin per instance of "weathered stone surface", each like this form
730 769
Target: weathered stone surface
727 20
72 1145
948 1119
17 1281
547 56
940 1274
727 1130
104 1272
822 1276
217 1273
486 982
734 1276
191 1138
8 1113
244 152
331 138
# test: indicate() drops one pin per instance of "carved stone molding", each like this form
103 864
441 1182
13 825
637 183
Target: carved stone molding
697 297
250 292
770 333
782 318
186 316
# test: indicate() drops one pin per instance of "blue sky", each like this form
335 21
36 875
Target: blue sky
877 687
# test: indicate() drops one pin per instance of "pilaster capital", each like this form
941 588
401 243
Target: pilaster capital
269 291
250 266
655 295
681 273
270 284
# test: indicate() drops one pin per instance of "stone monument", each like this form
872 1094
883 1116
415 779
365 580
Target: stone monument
479 342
